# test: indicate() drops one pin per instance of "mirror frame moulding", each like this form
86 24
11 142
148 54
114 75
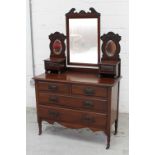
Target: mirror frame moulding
82 14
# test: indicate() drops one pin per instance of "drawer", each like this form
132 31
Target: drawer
54 87
107 68
84 103
89 90
87 119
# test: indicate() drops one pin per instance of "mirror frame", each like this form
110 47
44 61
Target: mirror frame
115 38
82 14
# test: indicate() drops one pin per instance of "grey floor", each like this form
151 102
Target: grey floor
58 140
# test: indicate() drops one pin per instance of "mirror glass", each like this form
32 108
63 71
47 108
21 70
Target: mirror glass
110 48
57 47
83 40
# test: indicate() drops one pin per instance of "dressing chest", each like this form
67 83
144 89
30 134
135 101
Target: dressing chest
81 90
77 100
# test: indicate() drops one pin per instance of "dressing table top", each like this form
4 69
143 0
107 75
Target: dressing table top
76 77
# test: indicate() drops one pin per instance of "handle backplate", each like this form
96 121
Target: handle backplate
89 91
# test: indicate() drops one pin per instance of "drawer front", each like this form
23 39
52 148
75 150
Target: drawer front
54 87
54 65
107 68
73 102
89 90
88 119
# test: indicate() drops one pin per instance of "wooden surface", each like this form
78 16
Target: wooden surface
78 103
76 77
77 100
110 62
89 119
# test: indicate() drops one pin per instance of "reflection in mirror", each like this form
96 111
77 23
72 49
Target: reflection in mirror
83 38
57 47
110 48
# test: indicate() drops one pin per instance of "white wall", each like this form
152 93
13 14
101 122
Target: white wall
30 92
49 16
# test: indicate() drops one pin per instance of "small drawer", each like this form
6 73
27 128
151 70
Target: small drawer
87 119
107 68
54 87
54 65
73 102
89 90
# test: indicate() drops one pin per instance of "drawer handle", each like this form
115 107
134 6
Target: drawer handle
88 104
52 87
88 119
53 113
89 91
53 99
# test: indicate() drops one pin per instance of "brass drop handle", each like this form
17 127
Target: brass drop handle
89 91
53 99
52 87
88 104
53 113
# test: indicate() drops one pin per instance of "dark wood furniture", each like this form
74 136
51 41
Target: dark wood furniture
110 62
57 60
109 69
78 98
53 65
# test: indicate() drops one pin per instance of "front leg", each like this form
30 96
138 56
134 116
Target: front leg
40 126
108 141
116 126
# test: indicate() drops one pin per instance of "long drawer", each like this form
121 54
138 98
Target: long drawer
88 119
54 87
83 103
89 90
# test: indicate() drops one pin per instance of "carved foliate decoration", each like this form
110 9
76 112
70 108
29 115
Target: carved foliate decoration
81 13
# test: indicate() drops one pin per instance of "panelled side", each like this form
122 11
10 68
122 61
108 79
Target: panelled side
114 103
